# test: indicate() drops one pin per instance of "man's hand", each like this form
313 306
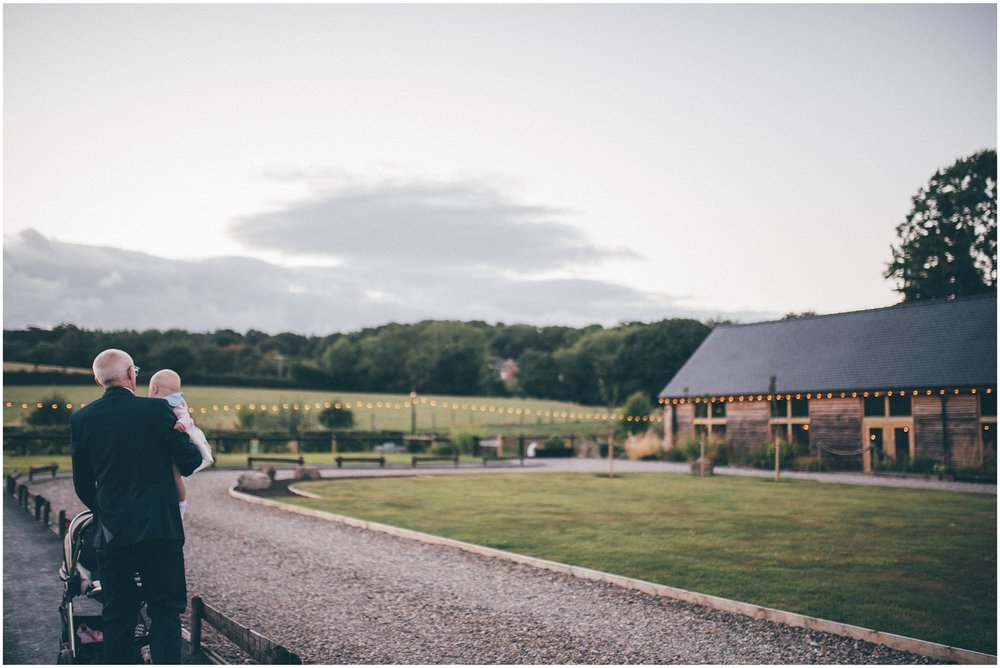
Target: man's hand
180 427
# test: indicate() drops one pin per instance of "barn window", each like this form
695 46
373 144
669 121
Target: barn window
874 406
800 407
900 404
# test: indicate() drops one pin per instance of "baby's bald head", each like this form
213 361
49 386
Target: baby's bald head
164 382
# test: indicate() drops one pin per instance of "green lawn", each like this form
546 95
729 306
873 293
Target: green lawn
913 562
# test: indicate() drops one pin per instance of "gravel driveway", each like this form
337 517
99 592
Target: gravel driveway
340 595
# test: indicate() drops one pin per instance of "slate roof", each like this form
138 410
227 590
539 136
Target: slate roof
918 345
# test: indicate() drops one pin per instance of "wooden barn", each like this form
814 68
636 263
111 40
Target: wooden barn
861 390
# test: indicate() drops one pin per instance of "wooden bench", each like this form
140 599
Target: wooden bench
363 460
32 470
486 460
280 460
434 459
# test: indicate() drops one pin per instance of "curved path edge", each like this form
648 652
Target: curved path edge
914 645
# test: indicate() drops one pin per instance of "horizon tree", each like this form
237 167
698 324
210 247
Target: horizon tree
947 244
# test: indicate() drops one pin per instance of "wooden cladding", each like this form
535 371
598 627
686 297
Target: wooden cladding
684 420
945 428
962 414
929 427
836 424
747 424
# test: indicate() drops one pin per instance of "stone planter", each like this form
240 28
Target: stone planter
696 467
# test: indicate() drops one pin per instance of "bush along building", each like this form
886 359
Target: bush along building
906 387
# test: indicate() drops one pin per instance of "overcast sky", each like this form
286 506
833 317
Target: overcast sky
320 168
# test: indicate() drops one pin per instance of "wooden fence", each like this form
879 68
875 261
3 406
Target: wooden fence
260 649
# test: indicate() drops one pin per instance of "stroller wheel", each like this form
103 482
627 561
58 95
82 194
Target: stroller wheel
65 656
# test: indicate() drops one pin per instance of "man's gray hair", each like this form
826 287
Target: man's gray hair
111 367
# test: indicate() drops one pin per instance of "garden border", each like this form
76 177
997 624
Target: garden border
923 647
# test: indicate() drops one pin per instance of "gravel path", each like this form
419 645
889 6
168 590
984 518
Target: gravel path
340 595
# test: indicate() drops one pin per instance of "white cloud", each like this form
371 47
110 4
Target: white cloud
48 282
428 227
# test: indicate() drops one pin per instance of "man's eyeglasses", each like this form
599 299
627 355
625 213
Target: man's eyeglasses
135 371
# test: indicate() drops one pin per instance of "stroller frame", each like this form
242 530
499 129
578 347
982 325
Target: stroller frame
76 580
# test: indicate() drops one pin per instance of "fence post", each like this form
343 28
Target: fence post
46 512
197 613
39 502
62 524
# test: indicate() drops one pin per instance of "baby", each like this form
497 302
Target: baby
166 384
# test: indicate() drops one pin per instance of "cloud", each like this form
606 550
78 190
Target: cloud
428 227
48 282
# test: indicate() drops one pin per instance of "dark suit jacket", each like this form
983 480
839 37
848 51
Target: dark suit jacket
123 448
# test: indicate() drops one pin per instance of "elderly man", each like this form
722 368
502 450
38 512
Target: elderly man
124 449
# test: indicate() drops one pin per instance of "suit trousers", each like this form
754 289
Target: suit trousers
160 565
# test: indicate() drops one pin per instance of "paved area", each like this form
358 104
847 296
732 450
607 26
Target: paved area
32 590
227 540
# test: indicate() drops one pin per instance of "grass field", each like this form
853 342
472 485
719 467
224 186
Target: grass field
216 408
913 562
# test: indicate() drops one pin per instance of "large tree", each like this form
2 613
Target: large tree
947 244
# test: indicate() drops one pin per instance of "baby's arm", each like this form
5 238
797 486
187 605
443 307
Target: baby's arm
184 420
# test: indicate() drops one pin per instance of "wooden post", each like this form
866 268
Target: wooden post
46 512
777 460
499 446
413 412
611 453
701 458
62 524
197 613
772 388
333 443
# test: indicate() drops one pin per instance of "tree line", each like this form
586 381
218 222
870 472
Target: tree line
592 365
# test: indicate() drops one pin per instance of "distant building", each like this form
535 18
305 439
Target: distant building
508 370
860 389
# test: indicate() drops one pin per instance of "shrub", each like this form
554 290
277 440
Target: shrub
336 418
990 463
555 447
646 445
805 463
637 407
674 454
463 440
444 449
47 415
715 448
922 465
787 452
762 456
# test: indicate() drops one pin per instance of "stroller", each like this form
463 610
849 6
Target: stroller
82 634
